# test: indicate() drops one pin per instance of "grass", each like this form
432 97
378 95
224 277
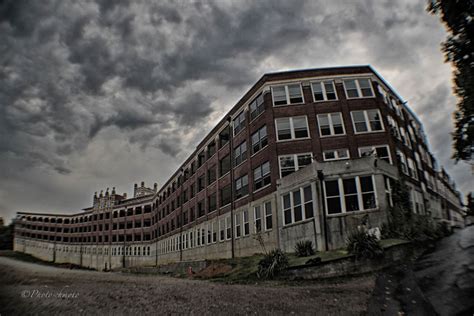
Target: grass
244 269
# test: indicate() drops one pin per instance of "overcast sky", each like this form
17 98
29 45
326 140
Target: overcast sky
96 94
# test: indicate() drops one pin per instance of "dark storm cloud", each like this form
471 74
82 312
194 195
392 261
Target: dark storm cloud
82 82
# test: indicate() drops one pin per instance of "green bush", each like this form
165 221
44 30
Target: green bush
404 224
363 245
272 263
304 248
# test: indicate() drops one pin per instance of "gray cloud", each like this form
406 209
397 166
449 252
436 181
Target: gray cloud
99 93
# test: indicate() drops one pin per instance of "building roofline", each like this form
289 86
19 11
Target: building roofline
267 77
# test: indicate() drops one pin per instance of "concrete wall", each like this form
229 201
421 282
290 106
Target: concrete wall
338 226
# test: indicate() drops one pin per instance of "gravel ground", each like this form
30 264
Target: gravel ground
28 288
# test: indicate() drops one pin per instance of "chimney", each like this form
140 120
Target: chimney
155 186
143 184
125 195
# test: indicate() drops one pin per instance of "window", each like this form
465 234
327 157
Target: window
222 229
241 186
200 208
201 159
349 195
287 94
245 216
292 163
240 153
330 124
256 106
412 168
358 88
257 219
201 183
212 202
404 137
297 205
228 227
224 136
367 121
224 165
259 139
211 175
382 152
292 128
323 91
417 202
239 123
214 231
336 154
238 227
261 176
211 149
403 162
225 195
268 216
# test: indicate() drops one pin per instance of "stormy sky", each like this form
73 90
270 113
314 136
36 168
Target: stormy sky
96 94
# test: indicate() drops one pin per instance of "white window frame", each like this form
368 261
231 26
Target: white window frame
258 106
292 205
342 194
266 216
367 122
292 128
331 124
222 222
240 123
403 162
336 154
245 211
295 160
255 230
228 228
359 90
412 169
262 176
374 148
260 140
322 83
238 224
287 94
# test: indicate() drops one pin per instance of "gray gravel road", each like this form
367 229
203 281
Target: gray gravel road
27 288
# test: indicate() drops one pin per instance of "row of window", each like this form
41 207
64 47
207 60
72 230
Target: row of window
349 194
291 94
221 230
330 124
294 162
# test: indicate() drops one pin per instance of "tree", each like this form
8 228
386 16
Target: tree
458 17
6 237
470 204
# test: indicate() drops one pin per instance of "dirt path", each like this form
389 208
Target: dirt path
25 287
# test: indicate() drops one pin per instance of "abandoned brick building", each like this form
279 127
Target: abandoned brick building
304 155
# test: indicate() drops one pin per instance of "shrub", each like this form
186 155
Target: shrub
363 245
272 263
304 248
